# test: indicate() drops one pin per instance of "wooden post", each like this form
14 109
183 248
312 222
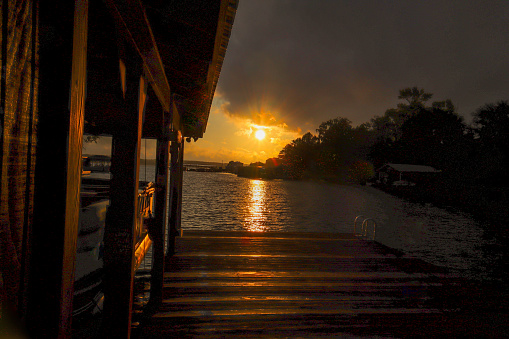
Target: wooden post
173 199
180 182
121 216
58 167
175 194
161 205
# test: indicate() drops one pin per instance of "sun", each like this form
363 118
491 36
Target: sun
260 134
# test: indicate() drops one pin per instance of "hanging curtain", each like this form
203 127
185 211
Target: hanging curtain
18 106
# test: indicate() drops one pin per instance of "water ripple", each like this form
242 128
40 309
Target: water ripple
219 201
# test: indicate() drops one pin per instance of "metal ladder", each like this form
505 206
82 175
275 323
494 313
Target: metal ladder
364 227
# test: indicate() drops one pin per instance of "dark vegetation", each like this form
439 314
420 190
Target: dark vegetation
473 158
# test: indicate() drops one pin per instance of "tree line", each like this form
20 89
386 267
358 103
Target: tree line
415 132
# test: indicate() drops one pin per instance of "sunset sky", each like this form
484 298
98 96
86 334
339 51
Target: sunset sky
292 64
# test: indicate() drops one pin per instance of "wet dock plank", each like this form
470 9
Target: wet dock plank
231 284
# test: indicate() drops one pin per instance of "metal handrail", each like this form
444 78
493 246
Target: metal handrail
355 226
364 227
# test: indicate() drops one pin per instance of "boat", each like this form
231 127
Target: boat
88 291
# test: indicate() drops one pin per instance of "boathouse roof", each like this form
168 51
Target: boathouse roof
182 44
192 38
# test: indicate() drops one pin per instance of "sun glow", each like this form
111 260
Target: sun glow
232 137
260 134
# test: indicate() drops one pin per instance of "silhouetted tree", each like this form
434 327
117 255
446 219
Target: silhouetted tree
491 122
361 171
413 132
434 136
415 98
491 128
300 156
389 125
416 133
331 153
337 143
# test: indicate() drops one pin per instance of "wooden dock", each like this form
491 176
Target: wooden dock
245 284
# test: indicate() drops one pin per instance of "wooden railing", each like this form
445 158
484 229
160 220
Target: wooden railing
145 210
145 214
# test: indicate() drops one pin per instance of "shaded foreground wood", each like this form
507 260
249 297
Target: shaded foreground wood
247 284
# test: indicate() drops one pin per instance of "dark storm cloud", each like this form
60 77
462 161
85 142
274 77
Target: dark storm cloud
310 61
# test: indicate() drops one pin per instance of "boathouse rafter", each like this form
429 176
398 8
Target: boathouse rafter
182 46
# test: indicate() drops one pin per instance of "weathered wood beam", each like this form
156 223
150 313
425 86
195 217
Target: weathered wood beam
176 121
58 168
133 24
119 241
180 183
161 207
174 202
176 168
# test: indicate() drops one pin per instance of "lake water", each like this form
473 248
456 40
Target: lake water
222 201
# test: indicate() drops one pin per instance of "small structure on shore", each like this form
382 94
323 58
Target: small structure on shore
401 174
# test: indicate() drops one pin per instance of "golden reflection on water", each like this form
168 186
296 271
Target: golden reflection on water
256 218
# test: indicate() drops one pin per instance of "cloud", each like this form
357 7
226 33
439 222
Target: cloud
304 62
245 132
247 125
